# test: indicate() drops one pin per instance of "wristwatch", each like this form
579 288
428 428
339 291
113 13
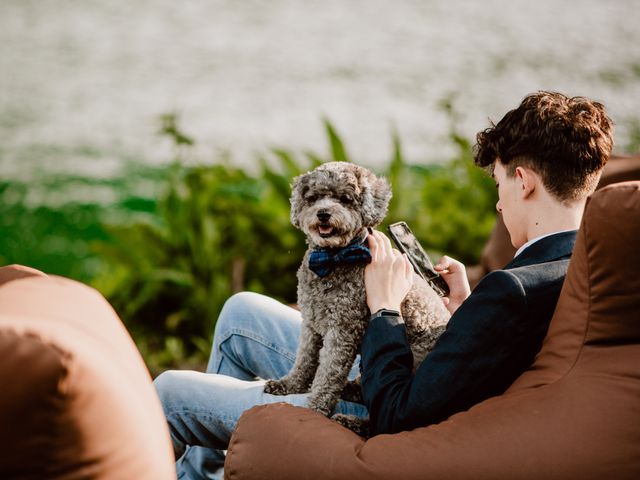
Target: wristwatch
385 312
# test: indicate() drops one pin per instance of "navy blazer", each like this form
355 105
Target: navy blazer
490 340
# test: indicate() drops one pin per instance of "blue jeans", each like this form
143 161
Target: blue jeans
255 338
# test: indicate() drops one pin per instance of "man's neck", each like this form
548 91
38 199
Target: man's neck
554 217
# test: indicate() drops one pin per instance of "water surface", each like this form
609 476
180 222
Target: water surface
82 83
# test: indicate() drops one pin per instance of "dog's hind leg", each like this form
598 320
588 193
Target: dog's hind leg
336 359
299 379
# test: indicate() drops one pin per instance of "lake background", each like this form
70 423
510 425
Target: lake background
83 83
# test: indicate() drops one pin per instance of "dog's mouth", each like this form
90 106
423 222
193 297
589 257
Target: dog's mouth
325 230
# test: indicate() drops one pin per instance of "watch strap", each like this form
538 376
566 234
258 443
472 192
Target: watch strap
386 312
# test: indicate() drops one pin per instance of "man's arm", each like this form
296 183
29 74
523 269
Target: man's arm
470 361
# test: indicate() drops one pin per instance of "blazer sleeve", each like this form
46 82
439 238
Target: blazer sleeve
463 368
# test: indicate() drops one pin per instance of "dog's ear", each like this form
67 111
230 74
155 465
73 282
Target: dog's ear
375 199
299 187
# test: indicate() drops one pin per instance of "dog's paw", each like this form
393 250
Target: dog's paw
358 425
352 392
276 387
321 405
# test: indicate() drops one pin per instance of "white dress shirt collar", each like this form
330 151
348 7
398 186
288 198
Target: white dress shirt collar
534 240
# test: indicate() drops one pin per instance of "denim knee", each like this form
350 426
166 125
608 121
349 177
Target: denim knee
235 309
170 389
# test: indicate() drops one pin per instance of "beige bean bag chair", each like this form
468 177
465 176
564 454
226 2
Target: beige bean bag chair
76 401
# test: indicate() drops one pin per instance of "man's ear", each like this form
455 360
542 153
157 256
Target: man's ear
299 187
376 197
527 181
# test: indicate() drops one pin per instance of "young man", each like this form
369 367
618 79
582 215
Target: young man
546 157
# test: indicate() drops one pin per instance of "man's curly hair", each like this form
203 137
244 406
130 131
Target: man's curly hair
565 140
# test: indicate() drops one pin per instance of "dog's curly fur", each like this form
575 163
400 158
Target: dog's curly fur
332 205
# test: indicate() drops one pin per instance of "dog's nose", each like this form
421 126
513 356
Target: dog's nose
324 216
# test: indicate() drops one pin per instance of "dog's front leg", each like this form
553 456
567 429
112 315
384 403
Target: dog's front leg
298 380
336 359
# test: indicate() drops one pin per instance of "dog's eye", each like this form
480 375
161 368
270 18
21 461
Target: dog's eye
346 199
311 198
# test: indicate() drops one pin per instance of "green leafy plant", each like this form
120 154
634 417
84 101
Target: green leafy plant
219 230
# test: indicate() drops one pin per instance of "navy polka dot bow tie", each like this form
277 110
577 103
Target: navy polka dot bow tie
322 261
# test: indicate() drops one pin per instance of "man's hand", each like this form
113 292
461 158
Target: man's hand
389 276
454 273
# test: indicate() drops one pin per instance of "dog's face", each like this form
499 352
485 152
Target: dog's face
337 201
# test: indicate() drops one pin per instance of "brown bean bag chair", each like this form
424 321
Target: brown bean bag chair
575 414
76 400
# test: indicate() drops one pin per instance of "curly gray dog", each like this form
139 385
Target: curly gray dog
334 205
